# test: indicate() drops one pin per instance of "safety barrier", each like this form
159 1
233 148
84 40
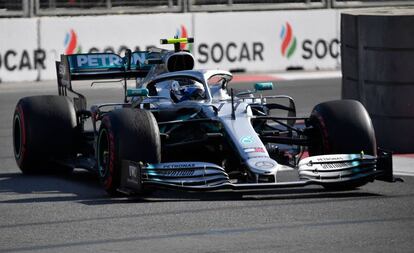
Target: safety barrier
377 59
291 42
14 8
30 8
94 7
240 5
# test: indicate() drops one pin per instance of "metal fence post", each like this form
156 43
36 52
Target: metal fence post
26 8
329 3
31 6
185 4
52 4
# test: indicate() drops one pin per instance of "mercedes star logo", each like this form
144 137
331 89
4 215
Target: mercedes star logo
264 164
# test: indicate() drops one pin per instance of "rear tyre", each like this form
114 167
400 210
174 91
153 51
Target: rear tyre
44 131
126 134
342 127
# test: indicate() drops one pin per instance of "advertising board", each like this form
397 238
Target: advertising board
111 34
267 41
20 56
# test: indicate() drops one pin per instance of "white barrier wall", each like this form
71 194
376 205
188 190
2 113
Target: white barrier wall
267 41
107 34
252 41
20 58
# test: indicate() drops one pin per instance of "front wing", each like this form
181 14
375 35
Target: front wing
327 170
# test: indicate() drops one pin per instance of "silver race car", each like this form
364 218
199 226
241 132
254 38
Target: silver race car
180 128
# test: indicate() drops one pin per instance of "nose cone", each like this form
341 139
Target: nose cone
262 165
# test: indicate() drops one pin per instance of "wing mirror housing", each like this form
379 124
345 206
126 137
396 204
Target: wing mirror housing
137 92
257 87
263 86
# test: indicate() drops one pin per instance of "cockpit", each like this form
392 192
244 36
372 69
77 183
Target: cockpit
178 89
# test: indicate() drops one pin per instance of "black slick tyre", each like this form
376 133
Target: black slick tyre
125 134
44 131
342 127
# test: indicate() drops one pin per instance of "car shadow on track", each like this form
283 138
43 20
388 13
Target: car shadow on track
84 187
76 186
280 194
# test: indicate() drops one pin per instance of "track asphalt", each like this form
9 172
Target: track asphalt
71 213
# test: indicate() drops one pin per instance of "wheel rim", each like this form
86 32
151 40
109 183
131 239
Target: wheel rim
103 153
17 136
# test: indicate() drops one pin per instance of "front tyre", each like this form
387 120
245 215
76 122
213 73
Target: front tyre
125 134
342 127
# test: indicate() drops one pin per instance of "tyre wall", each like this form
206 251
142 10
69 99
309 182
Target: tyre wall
378 70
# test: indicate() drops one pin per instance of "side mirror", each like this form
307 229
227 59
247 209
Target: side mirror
263 86
137 92
257 87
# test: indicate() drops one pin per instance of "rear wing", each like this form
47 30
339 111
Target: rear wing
94 66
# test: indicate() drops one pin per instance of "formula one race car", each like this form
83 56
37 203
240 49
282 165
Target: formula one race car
186 129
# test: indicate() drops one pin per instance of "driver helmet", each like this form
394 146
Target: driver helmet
190 90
